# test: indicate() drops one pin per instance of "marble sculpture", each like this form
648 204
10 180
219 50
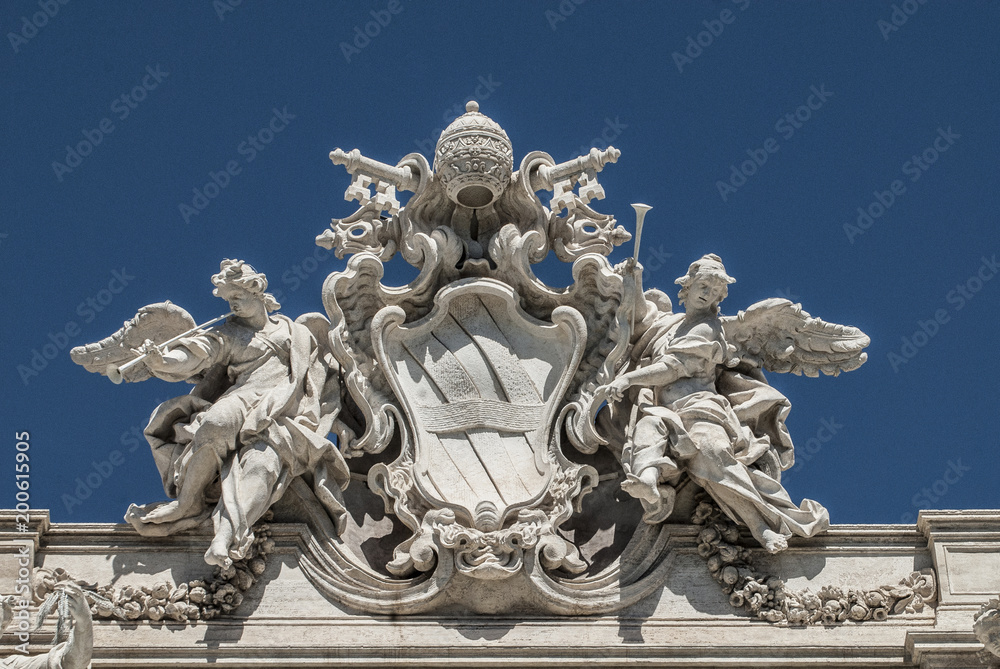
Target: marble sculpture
482 378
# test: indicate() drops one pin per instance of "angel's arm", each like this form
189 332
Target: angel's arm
693 355
185 358
660 373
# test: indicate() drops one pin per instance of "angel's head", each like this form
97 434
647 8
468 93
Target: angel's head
706 283
237 281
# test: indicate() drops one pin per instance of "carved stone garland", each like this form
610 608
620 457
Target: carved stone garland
765 596
164 602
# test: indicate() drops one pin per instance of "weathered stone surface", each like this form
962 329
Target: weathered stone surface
451 522
285 621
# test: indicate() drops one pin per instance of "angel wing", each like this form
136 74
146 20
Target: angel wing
159 322
779 336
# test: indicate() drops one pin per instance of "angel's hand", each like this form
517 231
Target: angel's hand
628 266
615 391
154 356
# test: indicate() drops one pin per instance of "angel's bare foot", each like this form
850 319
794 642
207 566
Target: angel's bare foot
773 542
658 511
237 553
218 554
170 512
643 487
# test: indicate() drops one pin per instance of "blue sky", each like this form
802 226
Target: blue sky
842 154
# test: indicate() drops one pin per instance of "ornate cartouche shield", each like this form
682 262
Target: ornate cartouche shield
480 382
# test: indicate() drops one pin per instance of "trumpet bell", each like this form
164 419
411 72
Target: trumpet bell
113 373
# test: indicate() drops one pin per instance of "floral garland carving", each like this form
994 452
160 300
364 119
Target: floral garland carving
765 596
184 603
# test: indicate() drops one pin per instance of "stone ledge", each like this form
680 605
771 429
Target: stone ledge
688 622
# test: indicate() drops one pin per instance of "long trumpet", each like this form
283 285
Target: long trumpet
116 372
640 216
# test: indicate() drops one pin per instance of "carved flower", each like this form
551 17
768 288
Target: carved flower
771 615
756 602
131 610
43 582
923 584
257 566
127 595
179 593
197 594
798 617
161 591
811 601
828 592
728 553
859 612
176 611
709 535
104 609
242 580
702 513
875 599
736 599
706 550
227 597
880 614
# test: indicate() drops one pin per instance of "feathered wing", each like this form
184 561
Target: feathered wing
158 322
779 336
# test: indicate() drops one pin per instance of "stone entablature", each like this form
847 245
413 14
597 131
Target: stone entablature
284 621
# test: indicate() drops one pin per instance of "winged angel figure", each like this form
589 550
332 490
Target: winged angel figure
692 400
266 396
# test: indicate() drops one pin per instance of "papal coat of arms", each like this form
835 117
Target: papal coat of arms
476 400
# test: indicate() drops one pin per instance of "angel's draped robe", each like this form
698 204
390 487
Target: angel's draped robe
254 388
730 439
